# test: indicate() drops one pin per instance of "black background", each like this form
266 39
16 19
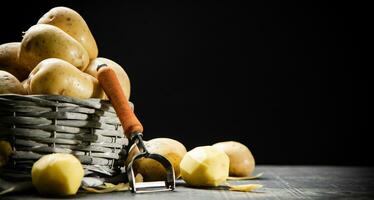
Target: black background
286 79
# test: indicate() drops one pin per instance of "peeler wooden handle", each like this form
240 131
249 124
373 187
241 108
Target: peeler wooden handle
110 83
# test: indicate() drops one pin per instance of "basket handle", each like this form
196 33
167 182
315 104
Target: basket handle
110 83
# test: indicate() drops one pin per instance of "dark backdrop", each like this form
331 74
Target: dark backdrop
287 80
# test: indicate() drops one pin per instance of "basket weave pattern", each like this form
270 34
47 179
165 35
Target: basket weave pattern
36 125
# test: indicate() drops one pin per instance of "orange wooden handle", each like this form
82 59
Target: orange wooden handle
110 83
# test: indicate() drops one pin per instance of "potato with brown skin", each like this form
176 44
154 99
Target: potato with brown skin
120 72
25 84
5 152
44 41
152 170
58 77
9 84
242 162
98 91
9 60
73 24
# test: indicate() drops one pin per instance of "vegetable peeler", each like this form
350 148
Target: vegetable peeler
133 130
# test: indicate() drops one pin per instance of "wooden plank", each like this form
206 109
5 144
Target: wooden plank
280 182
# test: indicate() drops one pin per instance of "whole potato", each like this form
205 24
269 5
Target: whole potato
5 152
120 72
73 24
25 84
152 170
58 77
10 84
9 60
242 162
44 41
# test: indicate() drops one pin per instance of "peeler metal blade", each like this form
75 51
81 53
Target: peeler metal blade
155 186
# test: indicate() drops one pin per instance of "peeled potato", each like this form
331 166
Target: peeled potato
205 166
44 41
5 152
57 174
242 162
9 60
10 84
73 24
118 70
152 170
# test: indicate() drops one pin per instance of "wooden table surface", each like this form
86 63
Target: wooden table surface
280 182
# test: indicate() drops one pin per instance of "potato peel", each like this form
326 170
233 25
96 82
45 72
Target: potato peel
232 178
244 188
108 187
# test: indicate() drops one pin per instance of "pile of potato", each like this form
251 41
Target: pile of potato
57 56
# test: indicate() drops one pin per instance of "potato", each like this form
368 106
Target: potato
242 162
205 166
5 152
152 170
57 174
10 84
44 41
98 91
58 77
25 84
73 24
9 60
120 72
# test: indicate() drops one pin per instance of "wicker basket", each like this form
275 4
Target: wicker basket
42 124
